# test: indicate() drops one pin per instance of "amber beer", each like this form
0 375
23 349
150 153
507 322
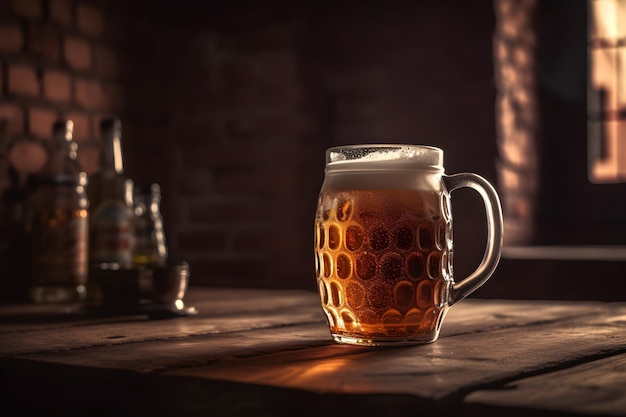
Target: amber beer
383 262
383 243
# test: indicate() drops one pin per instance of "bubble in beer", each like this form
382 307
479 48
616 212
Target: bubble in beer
380 295
413 320
344 210
327 264
366 266
355 295
403 294
404 237
378 238
344 266
434 264
354 238
392 321
336 295
424 294
391 266
415 265
334 236
426 238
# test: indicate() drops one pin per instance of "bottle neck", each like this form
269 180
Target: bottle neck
112 162
62 159
119 189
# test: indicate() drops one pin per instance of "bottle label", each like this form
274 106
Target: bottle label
59 240
112 235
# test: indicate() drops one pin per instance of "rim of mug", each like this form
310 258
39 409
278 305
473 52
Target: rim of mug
434 162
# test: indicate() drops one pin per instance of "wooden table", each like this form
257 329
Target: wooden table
253 352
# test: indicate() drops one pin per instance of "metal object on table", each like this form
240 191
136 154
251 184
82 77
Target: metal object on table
157 291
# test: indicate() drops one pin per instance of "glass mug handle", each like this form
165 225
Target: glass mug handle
491 257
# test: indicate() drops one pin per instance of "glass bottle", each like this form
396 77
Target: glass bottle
58 224
150 246
111 226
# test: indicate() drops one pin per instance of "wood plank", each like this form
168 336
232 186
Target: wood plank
303 357
140 330
447 368
231 310
209 301
595 388
268 309
278 342
176 353
32 388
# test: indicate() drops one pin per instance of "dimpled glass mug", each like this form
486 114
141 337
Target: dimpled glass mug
383 243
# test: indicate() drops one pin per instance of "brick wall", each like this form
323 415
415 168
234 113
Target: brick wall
259 92
58 59
231 105
246 148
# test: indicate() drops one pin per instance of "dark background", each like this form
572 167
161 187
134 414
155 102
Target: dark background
230 105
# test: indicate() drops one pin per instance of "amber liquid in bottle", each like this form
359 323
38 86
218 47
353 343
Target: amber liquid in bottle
111 227
58 224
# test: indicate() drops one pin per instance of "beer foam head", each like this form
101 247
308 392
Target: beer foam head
384 156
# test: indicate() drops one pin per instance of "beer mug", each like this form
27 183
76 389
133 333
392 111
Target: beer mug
383 243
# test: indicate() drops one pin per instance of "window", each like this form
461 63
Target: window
606 96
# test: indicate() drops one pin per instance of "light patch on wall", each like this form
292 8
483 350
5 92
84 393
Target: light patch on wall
606 96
